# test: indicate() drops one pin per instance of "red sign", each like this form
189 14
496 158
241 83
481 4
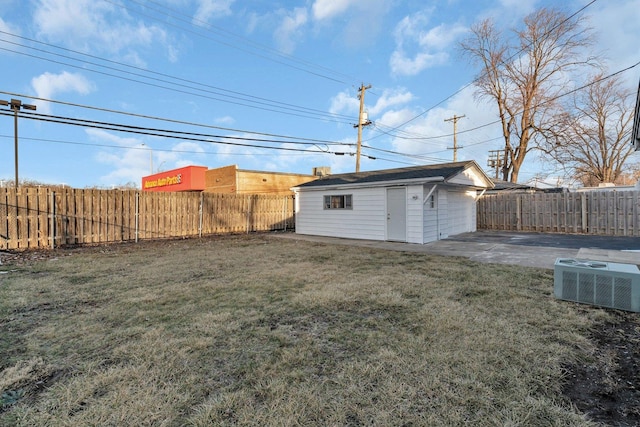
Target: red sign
189 178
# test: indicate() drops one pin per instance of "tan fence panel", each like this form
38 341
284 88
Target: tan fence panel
608 213
103 216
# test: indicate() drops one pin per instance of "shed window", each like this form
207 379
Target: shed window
338 202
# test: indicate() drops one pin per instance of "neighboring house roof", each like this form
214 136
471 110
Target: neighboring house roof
512 187
501 185
445 172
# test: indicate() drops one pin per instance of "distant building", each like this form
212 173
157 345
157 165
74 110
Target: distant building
227 180
607 186
189 178
501 186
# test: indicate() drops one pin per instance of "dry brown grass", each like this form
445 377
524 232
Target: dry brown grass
256 330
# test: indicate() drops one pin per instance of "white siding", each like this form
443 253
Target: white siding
415 211
454 212
367 219
462 211
443 213
430 216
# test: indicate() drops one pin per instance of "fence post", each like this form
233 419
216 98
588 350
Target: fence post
53 220
200 214
583 200
137 214
518 213
284 212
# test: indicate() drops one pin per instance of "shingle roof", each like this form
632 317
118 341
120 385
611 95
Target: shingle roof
445 170
501 185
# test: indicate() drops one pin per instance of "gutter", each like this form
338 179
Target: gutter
396 183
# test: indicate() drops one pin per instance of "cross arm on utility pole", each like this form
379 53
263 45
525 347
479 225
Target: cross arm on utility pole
16 105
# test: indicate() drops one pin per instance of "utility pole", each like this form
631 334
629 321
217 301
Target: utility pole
361 123
495 160
15 105
454 119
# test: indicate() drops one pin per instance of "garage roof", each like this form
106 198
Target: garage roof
442 172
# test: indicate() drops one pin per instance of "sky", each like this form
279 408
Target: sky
266 85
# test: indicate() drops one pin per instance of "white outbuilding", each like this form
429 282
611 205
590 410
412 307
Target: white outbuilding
418 204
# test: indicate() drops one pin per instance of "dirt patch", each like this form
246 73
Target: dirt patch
605 385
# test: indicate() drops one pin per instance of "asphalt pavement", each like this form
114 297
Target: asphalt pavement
525 249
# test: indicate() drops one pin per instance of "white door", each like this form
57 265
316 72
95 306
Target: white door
397 214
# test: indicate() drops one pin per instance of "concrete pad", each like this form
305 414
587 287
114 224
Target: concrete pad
527 250
623 257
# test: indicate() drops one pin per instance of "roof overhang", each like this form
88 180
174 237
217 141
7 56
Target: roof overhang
394 183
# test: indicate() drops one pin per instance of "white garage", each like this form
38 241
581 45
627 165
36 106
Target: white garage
417 204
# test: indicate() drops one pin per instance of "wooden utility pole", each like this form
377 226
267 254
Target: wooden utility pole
454 119
361 123
495 160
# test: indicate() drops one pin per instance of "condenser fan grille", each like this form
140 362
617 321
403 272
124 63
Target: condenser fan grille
598 283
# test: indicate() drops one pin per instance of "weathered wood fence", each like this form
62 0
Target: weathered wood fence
46 217
609 213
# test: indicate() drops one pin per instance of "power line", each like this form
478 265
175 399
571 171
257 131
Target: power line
240 99
185 136
548 101
174 14
164 119
508 59
91 144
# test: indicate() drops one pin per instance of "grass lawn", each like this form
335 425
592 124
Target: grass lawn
256 330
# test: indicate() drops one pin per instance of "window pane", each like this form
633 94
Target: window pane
347 202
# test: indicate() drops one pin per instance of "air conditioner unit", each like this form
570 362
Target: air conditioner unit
605 284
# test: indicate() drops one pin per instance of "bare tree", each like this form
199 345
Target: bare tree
593 136
526 74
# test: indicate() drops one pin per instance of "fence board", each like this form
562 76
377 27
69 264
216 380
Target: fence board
612 213
100 216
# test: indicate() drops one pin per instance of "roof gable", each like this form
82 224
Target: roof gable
462 173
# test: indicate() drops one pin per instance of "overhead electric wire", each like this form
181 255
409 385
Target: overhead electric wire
232 94
275 108
225 33
472 82
550 100
124 127
164 119
143 131
155 149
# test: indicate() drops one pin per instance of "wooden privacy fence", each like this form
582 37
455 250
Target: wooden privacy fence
609 213
46 217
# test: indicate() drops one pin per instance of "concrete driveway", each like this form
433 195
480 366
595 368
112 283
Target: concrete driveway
525 249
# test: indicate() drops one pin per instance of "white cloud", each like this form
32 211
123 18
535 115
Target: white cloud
345 103
360 23
94 26
136 156
327 9
429 136
418 48
389 98
208 9
225 120
618 32
6 27
288 32
48 85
